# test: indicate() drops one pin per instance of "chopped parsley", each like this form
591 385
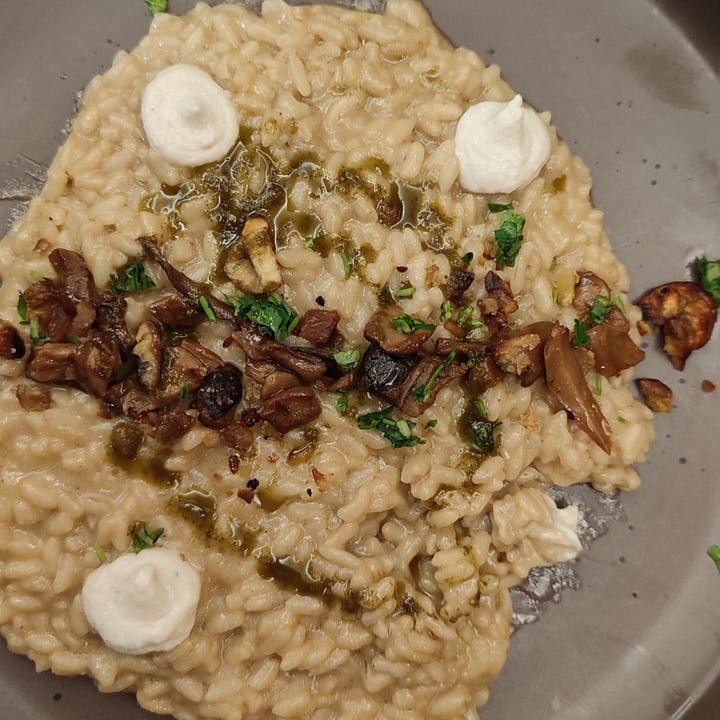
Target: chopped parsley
422 393
36 334
408 324
345 359
342 402
273 315
602 306
205 307
399 433
347 265
714 552
446 311
101 556
509 237
499 207
466 319
131 278
710 277
431 423
406 291
481 431
22 309
580 335
157 6
142 537
467 258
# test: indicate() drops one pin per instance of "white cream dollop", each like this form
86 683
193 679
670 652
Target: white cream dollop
500 146
144 602
188 118
558 540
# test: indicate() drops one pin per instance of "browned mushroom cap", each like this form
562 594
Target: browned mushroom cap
176 313
458 282
219 393
657 395
567 383
380 329
12 346
519 354
499 303
52 363
96 362
685 313
33 397
291 408
587 288
611 345
318 326
270 376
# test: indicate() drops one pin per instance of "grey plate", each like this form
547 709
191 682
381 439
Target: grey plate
633 86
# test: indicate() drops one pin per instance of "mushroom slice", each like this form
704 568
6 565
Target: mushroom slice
149 351
686 314
657 395
251 263
567 383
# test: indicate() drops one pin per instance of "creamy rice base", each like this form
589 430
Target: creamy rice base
427 553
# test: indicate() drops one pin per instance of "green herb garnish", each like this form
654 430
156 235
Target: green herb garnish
273 315
580 336
399 433
131 278
408 324
345 359
342 402
602 306
101 556
467 320
446 311
431 423
347 265
481 431
509 237
467 258
407 291
205 307
157 6
142 537
36 334
499 207
710 277
22 309
422 393
598 384
714 552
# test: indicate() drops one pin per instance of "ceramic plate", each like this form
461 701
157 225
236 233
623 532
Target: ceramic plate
634 87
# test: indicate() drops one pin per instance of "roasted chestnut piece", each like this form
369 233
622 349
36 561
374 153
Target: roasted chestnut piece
685 313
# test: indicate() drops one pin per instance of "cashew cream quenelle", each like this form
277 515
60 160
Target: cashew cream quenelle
500 146
188 118
142 603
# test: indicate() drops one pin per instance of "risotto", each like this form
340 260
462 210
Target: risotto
318 374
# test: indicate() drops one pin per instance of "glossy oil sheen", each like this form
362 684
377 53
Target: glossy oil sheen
633 87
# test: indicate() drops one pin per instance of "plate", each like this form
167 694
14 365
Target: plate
634 88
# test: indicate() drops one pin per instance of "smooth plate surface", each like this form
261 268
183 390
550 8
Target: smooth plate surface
633 86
